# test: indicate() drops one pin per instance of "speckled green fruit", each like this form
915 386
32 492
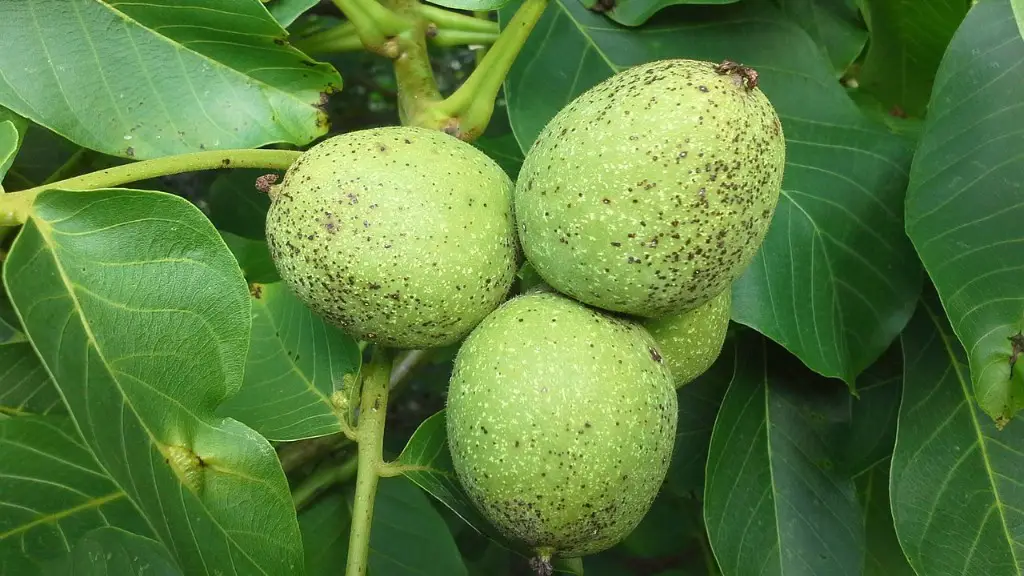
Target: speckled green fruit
561 423
651 192
399 235
691 342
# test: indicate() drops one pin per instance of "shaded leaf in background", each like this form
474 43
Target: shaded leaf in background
699 402
773 501
835 25
286 11
428 448
236 206
25 387
9 141
966 200
836 278
325 527
882 553
409 536
295 362
637 12
52 492
113 552
907 42
42 154
957 498
160 78
500 144
141 317
253 257
873 414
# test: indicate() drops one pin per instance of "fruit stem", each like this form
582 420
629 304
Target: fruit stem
370 435
323 478
469 109
15 206
374 24
455 21
445 37
414 76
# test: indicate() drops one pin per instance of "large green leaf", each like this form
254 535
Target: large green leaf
236 206
141 317
295 363
773 500
835 25
52 492
908 39
113 552
955 484
286 11
148 79
637 12
836 278
253 257
699 402
882 553
25 387
325 527
966 200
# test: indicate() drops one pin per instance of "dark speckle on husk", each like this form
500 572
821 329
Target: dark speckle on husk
399 235
651 192
561 423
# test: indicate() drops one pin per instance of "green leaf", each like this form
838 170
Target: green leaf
699 402
907 43
113 552
568 566
773 502
141 317
325 527
955 479
253 257
286 11
9 141
428 449
637 12
148 79
42 154
295 362
882 553
966 200
52 492
25 387
874 413
835 25
1018 13
836 279
409 537
236 206
500 144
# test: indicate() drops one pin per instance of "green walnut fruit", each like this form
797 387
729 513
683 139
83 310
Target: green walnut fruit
651 192
399 235
692 341
561 422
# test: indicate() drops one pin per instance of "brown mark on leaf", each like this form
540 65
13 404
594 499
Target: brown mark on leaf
602 6
321 103
431 30
897 111
256 290
263 183
744 75
1016 349
130 152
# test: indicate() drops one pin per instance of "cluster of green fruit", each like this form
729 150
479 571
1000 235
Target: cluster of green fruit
638 205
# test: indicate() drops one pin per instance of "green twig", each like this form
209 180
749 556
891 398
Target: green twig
340 38
445 37
370 434
467 112
375 25
322 479
449 20
15 206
